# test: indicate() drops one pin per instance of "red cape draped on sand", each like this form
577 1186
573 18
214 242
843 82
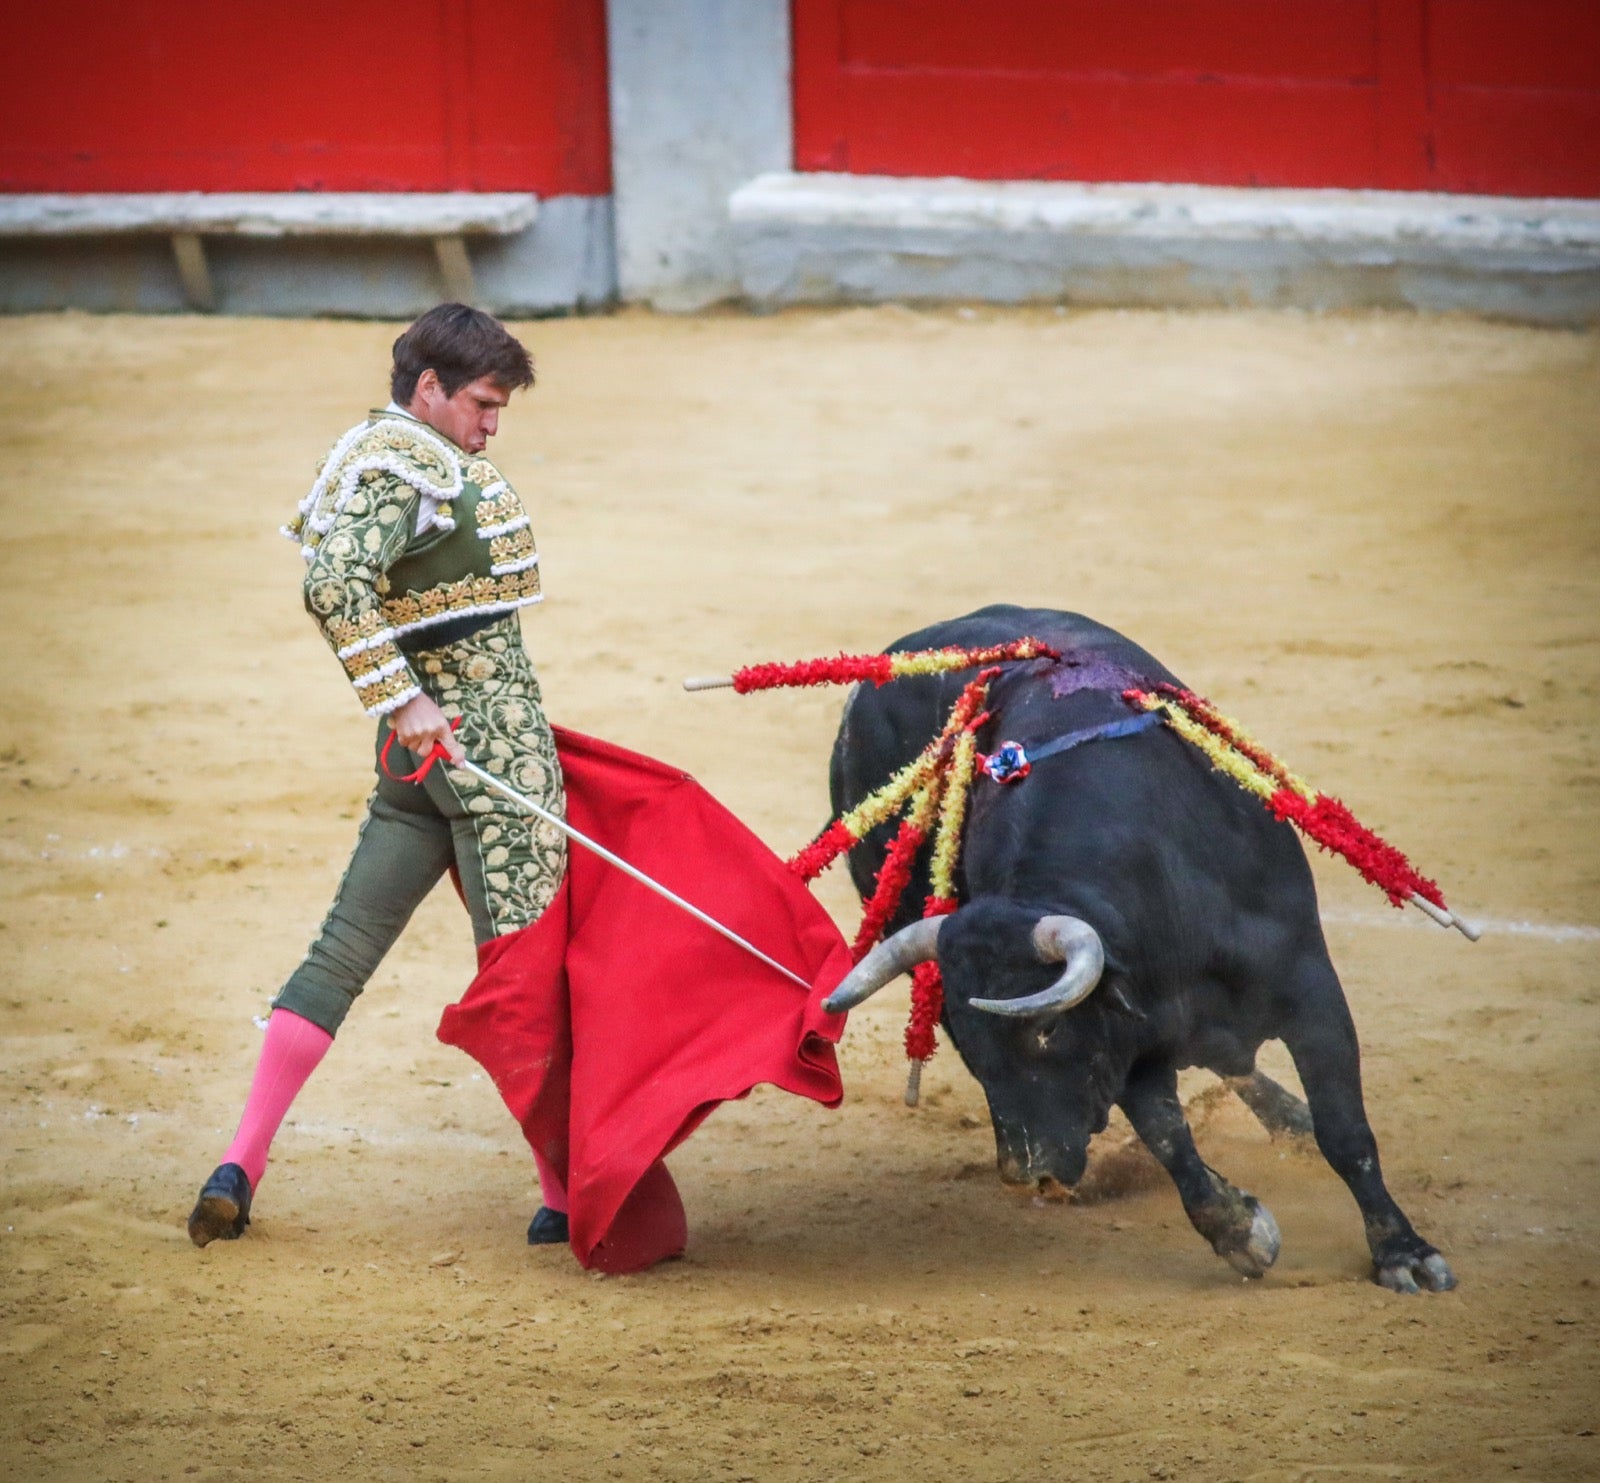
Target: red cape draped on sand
616 1022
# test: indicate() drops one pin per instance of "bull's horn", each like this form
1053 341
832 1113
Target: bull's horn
1058 940
895 955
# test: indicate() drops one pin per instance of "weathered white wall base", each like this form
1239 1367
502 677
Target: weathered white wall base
855 239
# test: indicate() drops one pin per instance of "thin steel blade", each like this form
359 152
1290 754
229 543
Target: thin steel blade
578 837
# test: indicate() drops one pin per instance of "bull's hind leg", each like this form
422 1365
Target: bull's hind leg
1322 1040
1277 1109
1239 1227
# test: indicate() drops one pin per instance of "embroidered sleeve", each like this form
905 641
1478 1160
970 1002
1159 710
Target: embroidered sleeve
504 524
345 583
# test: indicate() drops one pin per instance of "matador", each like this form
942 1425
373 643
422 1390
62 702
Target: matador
419 556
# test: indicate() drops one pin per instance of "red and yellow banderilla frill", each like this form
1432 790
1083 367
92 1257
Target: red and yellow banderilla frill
1322 818
931 791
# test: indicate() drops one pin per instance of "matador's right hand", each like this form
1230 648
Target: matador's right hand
419 726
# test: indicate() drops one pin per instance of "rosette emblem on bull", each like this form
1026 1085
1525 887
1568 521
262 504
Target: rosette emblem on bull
1125 911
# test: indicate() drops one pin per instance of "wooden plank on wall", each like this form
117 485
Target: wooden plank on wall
1404 131
381 95
1516 95
1499 96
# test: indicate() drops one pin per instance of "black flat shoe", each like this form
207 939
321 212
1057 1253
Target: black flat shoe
547 1228
223 1209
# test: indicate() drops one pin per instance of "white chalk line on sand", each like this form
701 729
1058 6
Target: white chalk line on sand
1492 926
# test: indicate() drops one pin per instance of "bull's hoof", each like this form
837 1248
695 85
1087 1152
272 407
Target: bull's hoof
1411 1267
1253 1251
1239 1227
223 1209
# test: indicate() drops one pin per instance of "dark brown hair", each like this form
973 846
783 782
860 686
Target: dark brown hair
459 345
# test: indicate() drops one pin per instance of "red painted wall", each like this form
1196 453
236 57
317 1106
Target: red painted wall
1497 96
425 95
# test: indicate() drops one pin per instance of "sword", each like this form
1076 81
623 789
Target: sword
577 837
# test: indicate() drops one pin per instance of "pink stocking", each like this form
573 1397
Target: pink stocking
294 1048
552 1193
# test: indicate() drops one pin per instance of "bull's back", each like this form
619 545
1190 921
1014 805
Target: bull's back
1085 816
883 728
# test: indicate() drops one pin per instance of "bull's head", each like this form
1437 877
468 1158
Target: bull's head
1041 1076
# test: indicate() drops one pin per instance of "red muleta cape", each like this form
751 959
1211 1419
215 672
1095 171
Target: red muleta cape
614 1024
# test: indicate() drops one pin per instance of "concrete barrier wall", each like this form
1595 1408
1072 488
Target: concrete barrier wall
700 103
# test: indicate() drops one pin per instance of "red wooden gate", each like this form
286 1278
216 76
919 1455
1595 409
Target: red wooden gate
1496 96
421 95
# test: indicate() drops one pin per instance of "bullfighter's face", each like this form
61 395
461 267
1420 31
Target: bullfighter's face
469 417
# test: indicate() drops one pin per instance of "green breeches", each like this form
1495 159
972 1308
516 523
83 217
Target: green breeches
509 865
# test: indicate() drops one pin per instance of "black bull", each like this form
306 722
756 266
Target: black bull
1201 902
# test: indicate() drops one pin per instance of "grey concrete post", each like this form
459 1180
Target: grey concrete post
700 103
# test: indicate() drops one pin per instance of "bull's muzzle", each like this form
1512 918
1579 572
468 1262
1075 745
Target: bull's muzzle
1035 1167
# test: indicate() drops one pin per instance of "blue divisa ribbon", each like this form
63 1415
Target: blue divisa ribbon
1011 761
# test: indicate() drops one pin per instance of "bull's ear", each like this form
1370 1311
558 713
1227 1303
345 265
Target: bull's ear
1115 994
1116 967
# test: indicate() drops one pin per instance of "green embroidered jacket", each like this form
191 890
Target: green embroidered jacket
410 542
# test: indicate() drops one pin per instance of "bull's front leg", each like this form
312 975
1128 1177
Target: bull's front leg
1239 1227
1323 1042
1277 1109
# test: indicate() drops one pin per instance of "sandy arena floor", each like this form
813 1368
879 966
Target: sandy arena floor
1375 539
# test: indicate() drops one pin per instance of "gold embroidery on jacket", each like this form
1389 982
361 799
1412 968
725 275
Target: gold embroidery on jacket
457 599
